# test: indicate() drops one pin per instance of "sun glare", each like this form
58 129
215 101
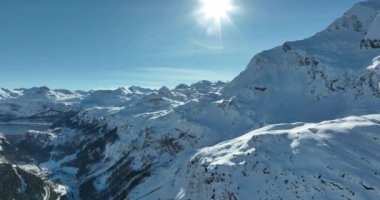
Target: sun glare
216 9
212 14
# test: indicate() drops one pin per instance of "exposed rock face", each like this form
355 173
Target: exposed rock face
370 43
290 161
328 71
24 181
19 184
139 143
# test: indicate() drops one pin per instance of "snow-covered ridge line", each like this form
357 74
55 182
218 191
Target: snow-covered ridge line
135 143
326 160
225 152
44 105
325 76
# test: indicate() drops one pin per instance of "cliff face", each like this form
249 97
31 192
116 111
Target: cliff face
138 143
24 181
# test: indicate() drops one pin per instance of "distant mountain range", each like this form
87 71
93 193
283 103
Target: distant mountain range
302 121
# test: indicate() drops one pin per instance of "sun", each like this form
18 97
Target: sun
216 9
212 14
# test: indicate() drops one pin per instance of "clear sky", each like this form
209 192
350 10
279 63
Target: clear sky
101 44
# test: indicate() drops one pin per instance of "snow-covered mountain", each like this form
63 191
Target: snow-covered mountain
335 159
23 181
136 143
328 71
36 104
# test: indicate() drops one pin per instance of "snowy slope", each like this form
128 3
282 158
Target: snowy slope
35 104
145 129
322 77
138 143
326 73
335 159
374 30
44 105
24 181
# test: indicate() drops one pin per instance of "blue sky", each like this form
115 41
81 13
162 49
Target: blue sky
101 44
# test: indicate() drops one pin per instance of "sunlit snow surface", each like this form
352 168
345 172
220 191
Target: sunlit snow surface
178 143
326 160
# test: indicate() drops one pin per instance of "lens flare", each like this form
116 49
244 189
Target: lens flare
216 9
212 13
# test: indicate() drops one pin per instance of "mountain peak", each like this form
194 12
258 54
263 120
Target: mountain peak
357 19
374 3
319 71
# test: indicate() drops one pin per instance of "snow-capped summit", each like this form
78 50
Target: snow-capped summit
165 91
106 97
139 90
196 141
358 19
363 19
322 77
37 104
6 93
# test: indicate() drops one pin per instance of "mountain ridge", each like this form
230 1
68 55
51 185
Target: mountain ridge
196 141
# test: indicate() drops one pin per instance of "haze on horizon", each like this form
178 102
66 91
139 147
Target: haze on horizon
93 44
